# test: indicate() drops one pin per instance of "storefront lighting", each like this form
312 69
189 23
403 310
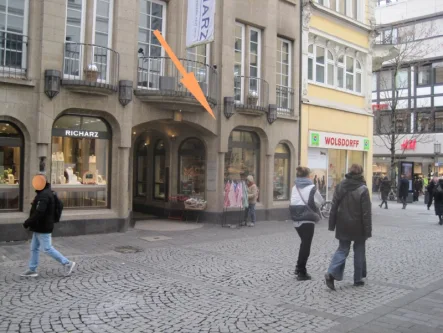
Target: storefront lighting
52 83
272 113
125 92
228 107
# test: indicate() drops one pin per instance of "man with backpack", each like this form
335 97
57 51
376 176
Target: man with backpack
45 211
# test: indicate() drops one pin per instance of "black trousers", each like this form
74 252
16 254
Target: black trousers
430 200
306 233
403 200
384 201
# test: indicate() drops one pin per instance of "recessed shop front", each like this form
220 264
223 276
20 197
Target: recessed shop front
80 161
330 155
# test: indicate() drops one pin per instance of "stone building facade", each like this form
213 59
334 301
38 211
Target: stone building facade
89 97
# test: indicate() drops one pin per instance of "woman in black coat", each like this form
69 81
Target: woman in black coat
438 200
385 188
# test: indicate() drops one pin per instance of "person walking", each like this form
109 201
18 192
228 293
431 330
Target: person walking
41 223
304 209
430 189
385 188
403 190
438 200
252 200
351 219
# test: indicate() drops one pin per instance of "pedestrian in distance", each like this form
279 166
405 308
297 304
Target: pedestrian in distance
385 188
304 209
430 189
45 211
403 190
438 200
252 200
351 219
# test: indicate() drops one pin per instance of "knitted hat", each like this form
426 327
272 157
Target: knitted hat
250 179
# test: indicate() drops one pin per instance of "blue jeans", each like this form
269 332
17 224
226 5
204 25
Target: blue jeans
43 241
250 213
337 266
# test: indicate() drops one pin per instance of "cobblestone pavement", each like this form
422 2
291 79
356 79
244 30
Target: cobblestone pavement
215 279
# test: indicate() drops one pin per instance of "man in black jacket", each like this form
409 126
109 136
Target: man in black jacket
403 190
41 223
351 219
430 188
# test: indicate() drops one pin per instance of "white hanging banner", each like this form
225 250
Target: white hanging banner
200 25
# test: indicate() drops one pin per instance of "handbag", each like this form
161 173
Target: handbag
307 206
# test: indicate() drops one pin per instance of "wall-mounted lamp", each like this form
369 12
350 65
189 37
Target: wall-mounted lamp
125 92
228 107
52 83
272 113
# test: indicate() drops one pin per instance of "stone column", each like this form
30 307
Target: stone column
123 186
266 195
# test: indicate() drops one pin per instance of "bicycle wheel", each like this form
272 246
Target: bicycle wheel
325 209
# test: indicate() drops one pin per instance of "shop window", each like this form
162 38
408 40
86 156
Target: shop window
142 169
243 156
282 157
336 169
11 160
159 170
355 157
80 161
192 159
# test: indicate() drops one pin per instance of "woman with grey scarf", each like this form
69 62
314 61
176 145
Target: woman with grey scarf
304 209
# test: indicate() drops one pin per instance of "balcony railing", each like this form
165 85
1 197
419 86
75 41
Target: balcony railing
90 65
158 76
13 55
251 93
285 101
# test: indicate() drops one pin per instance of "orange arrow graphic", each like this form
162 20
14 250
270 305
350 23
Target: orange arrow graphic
189 80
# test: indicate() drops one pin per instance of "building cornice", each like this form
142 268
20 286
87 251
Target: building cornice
335 106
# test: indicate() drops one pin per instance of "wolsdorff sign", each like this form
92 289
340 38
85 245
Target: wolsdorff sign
338 141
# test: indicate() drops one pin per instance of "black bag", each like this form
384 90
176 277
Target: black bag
58 209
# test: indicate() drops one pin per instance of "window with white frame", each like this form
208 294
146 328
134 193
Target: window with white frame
350 8
13 29
152 17
322 69
284 68
247 62
79 53
197 61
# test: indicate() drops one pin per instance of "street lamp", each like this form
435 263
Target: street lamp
437 151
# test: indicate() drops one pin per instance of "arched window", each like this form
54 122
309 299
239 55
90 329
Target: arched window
282 159
11 166
81 161
159 170
192 159
358 74
243 156
331 69
321 65
142 168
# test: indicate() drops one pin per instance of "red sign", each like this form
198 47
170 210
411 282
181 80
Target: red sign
409 144
380 107
343 142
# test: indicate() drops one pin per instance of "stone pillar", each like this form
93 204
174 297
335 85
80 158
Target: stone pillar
221 181
267 197
42 154
123 186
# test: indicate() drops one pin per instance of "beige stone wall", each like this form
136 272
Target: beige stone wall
25 103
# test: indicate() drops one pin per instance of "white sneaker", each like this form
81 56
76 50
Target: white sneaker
29 273
69 268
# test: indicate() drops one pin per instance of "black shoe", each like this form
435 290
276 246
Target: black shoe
379 206
303 277
386 207
329 281
359 284
428 208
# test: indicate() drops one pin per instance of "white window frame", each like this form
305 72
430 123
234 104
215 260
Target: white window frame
162 54
191 55
110 30
280 62
258 31
82 40
327 62
243 53
21 71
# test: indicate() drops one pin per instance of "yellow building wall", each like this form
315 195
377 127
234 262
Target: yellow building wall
335 121
336 96
341 31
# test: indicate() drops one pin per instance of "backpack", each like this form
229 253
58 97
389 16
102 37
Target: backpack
58 209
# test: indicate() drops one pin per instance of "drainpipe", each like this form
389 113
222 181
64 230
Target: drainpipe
300 83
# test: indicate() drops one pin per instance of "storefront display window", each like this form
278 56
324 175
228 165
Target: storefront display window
355 157
80 161
11 149
142 166
281 172
192 159
159 170
336 169
242 158
318 163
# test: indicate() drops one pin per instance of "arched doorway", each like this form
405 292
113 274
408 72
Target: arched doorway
11 167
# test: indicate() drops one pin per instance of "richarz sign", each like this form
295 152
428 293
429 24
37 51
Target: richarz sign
338 141
200 24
